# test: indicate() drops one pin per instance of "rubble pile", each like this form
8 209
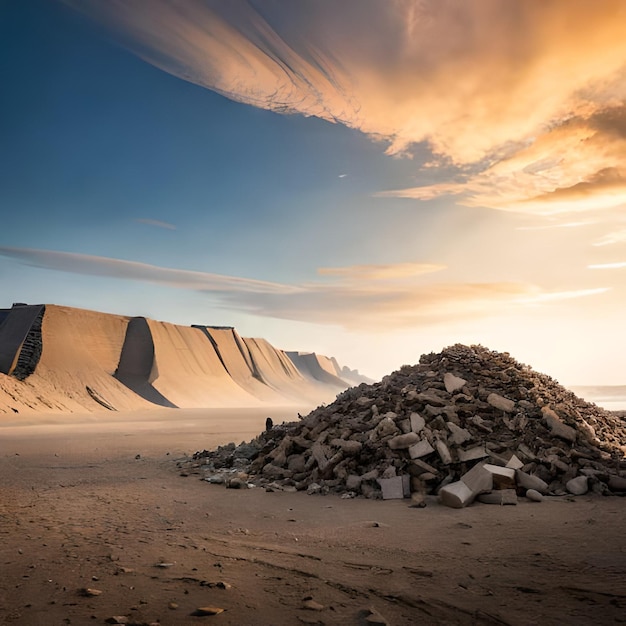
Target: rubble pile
465 423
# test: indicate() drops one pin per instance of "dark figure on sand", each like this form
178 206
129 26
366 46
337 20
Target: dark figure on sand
269 424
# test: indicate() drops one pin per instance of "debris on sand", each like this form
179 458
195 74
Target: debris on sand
461 423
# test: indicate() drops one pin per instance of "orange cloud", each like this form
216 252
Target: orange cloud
530 94
397 271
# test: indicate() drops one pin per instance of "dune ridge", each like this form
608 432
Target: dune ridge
85 361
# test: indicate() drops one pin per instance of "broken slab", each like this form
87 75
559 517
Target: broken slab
444 453
420 449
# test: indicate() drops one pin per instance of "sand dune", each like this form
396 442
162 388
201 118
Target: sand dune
93 361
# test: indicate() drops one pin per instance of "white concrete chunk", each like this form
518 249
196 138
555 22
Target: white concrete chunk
478 479
458 435
395 488
456 495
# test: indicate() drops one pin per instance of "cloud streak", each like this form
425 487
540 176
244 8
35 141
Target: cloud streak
524 102
157 223
368 297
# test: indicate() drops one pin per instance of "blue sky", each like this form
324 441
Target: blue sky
370 181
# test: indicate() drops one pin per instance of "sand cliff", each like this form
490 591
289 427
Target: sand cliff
62 359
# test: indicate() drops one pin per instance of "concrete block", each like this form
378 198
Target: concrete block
478 479
501 497
456 495
420 449
503 477
395 488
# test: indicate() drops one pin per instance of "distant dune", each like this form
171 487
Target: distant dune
58 359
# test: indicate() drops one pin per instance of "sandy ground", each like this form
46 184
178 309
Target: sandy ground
78 510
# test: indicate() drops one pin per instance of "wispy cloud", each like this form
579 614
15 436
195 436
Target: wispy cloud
522 101
381 272
608 266
618 236
131 270
357 297
157 223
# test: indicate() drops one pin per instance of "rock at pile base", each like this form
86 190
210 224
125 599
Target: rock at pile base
578 486
456 495
534 496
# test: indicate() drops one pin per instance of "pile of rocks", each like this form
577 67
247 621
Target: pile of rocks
464 422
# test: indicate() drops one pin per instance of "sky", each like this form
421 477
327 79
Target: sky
367 179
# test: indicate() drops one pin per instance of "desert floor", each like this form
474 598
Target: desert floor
78 510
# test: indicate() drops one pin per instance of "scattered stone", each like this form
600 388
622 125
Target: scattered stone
89 593
172 605
207 610
311 605
534 496
473 454
578 486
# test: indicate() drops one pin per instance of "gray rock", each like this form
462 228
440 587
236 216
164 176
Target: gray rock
443 452
477 452
402 442
557 427
578 486
453 383
395 488
458 435
534 496
478 480
420 449
417 422
528 481
500 402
